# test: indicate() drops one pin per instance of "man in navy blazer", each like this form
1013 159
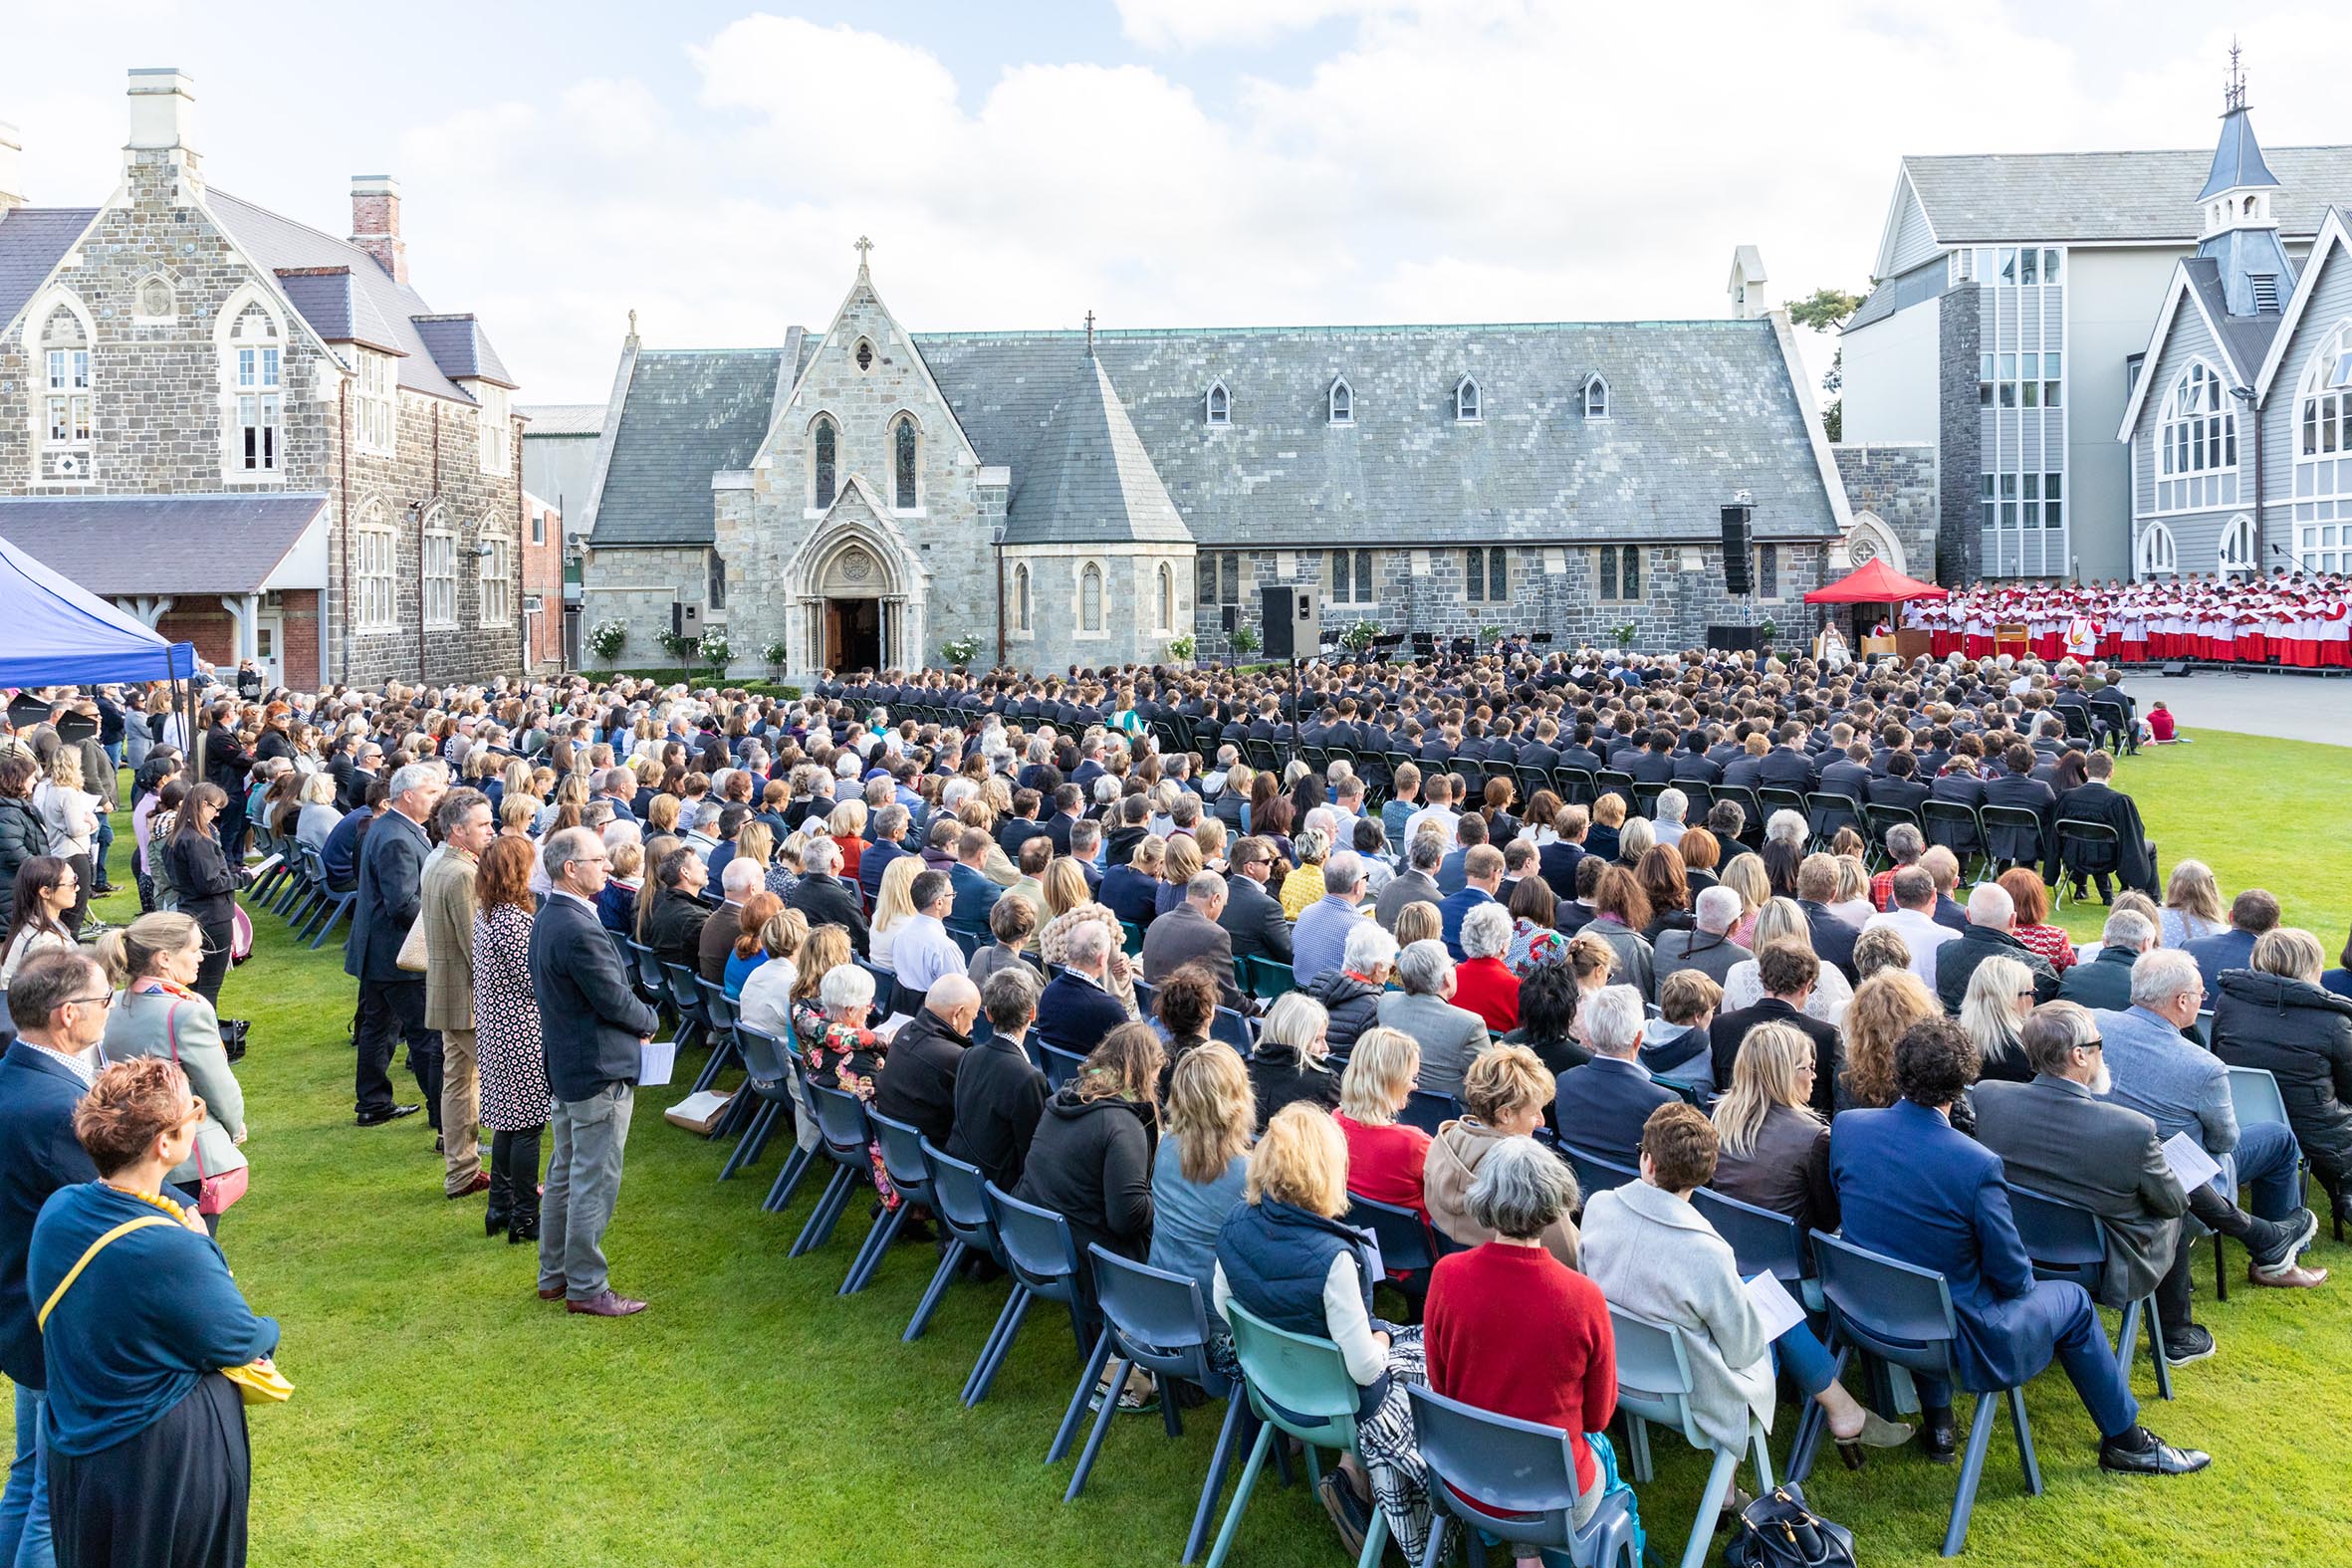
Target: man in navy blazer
1482 879
592 1027
2252 913
1601 1106
1912 1189
392 998
1074 1012
58 1000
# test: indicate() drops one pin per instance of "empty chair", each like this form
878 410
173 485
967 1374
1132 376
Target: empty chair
1522 1477
1654 1386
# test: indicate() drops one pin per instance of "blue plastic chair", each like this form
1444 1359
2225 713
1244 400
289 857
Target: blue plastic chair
1156 1321
1761 1242
2066 1242
800 1161
719 1008
970 939
886 987
1596 1173
901 1145
338 903
841 1123
959 1199
1147 996
685 993
767 1083
1298 1386
1230 1027
1903 1314
1061 1065
1429 1111
1653 1385
1270 978
1404 1238
1524 1476
2254 1097
645 970
1041 1254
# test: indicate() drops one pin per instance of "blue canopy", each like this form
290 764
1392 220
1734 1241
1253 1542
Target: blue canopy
61 634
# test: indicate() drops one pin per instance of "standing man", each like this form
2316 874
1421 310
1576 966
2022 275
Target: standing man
392 998
593 1028
447 895
60 1003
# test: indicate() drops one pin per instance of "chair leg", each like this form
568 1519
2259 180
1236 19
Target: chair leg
1240 1492
2164 1368
820 1225
993 1359
722 1052
1375 1538
995 1332
877 1243
1095 1433
949 1261
1637 1447
787 1180
2024 1436
1077 1398
2220 1269
1719 1486
1808 1442
1220 1459
745 1145
1972 1471
1759 1445
1435 1552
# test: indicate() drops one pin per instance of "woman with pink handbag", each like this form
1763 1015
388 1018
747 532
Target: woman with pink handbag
153 960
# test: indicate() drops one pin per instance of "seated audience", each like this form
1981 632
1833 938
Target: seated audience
1991 915
1351 994
1197 1172
1782 923
1601 1105
1993 1013
1774 1151
1786 974
1319 938
1503 1098
1447 1037
2032 899
2276 1016
1090 1159
1384 1156
1483 983
1913 918
1885 1007
1707 947
2192 905
2103 982
1655 1255
1535 940
2252 913
1877 949
1951 1214
1000 1093
1186 1006
1679 1043
918 1082
1188 935
1287 1061
1013 921
1620 911
1076 1011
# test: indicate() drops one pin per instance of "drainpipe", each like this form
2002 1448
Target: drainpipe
343 468
2246 395
999 543
421 508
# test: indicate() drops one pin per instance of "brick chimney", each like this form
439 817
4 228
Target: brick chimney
12 168
376 222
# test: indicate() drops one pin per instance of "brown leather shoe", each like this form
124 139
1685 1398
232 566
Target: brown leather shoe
479 1183
605 1304
2294 1276
548 1293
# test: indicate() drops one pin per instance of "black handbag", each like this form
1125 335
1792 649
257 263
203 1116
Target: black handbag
232 1037
1780 1531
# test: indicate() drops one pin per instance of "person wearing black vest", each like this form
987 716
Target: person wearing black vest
1284 1257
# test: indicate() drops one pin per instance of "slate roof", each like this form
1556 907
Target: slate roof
33 240
1990 198
1699 410
461 348
139 545
1092 481
687 415
563 419
2237 160
2245 339
382 311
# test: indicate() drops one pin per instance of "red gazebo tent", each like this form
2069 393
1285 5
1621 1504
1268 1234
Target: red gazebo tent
1875 583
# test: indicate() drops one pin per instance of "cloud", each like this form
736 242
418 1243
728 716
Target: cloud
1194 24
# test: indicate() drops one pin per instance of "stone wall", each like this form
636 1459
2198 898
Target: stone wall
1897 485
1959 549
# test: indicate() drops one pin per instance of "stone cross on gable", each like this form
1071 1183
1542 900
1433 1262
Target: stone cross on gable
862 246
1089 335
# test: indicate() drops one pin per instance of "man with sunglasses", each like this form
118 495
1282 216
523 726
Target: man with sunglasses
60 1002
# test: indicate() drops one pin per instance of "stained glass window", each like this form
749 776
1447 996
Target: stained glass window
905 464
826 455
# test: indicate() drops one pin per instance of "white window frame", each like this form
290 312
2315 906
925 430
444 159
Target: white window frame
2159 553
1339 402
438 576
494 428
2238 530
1596 397
1217 406
375 404
495 579
253 389
375 599
1469 404
1023 594
2192 443
1340 577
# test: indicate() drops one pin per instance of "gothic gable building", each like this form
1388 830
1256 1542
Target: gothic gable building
866 495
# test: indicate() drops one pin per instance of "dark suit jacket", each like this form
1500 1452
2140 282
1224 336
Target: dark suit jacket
2031 794
1253 918
2104 985
391 869
2054 1137
1833 939
1076 1014
1556 864
717 941
589 1017
976 895
38 1155
918 1079
828 901
1186 936
1784 769
999 1096
874 861
1600 1107
2133 861
1906 794
1729 1029
1956 961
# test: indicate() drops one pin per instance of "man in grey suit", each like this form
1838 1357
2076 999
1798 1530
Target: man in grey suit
1450 1037
1415 884
593 1028
1190 934
2059 1137
1710 949
392 998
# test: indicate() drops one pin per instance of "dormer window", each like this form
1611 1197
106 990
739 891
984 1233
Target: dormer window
1596 398
1219 404
1342 403
1466 402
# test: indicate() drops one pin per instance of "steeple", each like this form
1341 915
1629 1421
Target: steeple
2240 234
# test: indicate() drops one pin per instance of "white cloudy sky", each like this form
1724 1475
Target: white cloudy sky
1162 161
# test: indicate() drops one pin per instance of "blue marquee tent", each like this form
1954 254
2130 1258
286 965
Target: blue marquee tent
60 635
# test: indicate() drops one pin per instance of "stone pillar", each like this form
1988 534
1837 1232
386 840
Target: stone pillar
1959 549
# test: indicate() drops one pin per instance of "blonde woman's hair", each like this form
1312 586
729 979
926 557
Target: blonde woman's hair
131 951
1781 920
1421 922
1746 877
1211 1109
1504 1079
1300 1160
895 900
2193 891
783 933
847 820
824 949
1852 881
1182 863
1380 1070
2291 952
1064 885
1151 854
1988 1011
756 843
1764 1075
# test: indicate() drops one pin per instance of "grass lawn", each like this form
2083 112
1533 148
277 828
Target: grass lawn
444 1414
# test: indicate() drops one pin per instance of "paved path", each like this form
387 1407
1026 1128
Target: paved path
2290 707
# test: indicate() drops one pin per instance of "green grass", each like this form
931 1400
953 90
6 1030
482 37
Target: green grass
444 1414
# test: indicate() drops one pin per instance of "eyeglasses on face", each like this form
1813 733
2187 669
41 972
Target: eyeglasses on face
104 999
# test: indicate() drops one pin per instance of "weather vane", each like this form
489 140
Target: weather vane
2233 94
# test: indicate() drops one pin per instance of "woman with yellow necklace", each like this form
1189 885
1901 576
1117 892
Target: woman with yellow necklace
144 1436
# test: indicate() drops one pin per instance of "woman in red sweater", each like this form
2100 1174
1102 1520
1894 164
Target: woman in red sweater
1384 1156
1511 1329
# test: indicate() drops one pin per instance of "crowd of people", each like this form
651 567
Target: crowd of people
1479 966
2290 619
